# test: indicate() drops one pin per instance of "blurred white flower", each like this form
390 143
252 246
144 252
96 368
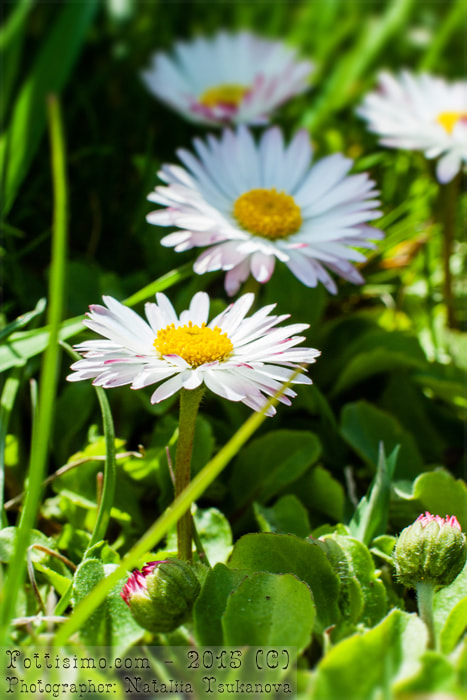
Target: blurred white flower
421 112
253 204
228 78
238 358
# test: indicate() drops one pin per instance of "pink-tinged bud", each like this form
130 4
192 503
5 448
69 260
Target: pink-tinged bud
162 594
431 550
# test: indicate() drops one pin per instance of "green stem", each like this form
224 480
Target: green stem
7 400
48 379
189 404
448 199
430 297
451 23
167 520
425 609
110 472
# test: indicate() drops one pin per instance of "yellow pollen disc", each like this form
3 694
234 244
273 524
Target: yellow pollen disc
448 120
228 94
268 213
195 344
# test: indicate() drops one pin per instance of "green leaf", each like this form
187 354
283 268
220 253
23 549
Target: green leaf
269 609
47 75
455 626
215 533
322 494
288 515
366 349
79 486
104 552
8 539
23 320
111 624
447 383
367 364
23 345
287 554
60 582
449 604
404 399
355 561
271 462
437 491
383 546
373 661
211 602
436 675
364 426
371 515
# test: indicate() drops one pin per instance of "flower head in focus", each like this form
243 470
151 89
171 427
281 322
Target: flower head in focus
136 586
238 358
161 595
421 112
431 550
227 79
252 204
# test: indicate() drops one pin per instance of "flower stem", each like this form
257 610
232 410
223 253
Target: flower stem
448 199
189 404
425 609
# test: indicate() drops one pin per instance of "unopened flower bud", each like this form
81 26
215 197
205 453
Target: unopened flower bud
162 594
431 550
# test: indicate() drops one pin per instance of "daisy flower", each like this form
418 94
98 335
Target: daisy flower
228 78
255 204
238 358
421 112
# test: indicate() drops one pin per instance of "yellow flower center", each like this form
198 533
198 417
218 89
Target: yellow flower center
448 120
268 213
228 94
195 344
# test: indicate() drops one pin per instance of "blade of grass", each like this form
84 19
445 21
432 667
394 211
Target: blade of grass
454 20
108 490
164 282
166 521
7 401
49 72
110 469
23 320
11 44
374 35
48 379
22 346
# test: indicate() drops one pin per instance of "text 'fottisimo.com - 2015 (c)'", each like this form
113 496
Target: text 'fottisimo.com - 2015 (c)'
182 672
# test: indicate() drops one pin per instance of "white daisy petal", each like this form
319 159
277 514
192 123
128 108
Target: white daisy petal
421 112
168 388
274 206
239 358
262 266
448 166
228 78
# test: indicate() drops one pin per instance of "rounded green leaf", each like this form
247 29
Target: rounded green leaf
287 554
363 664
211 602
269 609
271 462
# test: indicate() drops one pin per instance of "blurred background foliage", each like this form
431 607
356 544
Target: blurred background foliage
390 369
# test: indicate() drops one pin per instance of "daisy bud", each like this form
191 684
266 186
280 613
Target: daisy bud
431 550
161 595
